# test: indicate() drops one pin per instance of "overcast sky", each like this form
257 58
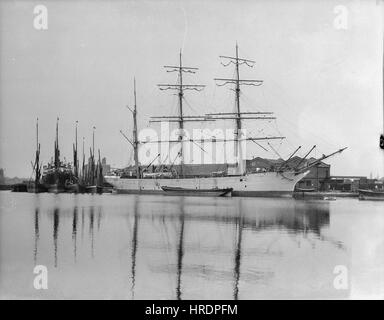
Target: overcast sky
323 83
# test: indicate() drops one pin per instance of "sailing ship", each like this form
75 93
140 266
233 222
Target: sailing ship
93 174
57 174
35 186
77 184
96 176
279 182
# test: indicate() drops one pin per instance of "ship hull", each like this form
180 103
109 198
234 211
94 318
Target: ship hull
197 192
94 189
57 180
267 184
32 188
371 195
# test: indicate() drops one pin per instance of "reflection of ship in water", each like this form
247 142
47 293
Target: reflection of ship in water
37 234
297 218
187 216
237 260
56 217
180 249
56 222
74 231
136 218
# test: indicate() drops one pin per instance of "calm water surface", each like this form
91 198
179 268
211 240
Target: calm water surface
161 247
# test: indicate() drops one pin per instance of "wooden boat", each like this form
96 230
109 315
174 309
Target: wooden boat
56 188
304 190
57 173
75 188
36 188
94 189
365 194
19 187
214 192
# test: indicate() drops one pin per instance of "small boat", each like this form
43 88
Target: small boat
55 188
94 189
304 190
365 194
19 187
75 188
36 188
214 192
329 198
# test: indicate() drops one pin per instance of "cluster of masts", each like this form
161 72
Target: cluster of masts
88 174
238 115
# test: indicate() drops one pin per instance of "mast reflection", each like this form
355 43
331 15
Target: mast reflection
74 232
91 231
237 260
55 233
180 249
37 234
99 216
294 217
134 243
82 224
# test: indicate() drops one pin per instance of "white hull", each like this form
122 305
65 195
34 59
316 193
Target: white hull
254 184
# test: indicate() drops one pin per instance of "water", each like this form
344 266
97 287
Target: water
161 247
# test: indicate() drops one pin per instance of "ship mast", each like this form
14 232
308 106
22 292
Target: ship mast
93 170
135 142
37 133
75 160
57 151
83 167
180 87
238 120
37 158
239 115
135 139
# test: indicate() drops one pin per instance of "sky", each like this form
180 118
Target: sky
321 63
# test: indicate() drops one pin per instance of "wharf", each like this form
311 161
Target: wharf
321 195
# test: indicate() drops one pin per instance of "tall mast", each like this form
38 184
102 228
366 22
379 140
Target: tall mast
57 132
181 116
238 115
93 140
75 160
181 87
76 135
37 133
238 121
181 93
83 168
57 151
135 142
37 158
135 139
93 156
